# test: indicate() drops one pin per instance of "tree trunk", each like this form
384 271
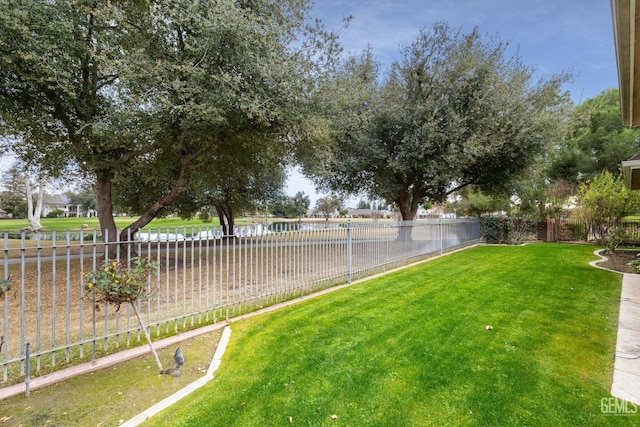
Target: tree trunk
408 202
146 335
34 214
231 222
227 222
223 224
408 210
155 209
104 203
37 213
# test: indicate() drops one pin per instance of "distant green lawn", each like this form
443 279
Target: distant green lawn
63 224
411 348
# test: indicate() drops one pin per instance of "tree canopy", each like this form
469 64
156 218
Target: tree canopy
328 205
292 206
127 88
597 141
454 111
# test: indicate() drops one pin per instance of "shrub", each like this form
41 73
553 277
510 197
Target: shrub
117 283
56 213
497 229
5 286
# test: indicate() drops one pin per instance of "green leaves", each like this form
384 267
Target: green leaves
596 140
604 202
138 93
5 286
453 111
118 282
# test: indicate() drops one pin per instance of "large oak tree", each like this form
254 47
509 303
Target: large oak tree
127 86
454 111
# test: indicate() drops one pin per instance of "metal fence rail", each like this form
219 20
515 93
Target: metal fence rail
203 278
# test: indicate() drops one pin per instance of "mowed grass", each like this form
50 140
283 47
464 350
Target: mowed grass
411 348
109 396
63 224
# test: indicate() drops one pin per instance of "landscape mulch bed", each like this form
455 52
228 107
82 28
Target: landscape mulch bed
619 260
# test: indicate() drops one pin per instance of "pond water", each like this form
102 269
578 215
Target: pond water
172 234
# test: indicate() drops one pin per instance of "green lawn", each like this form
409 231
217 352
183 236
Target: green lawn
63 224
411 348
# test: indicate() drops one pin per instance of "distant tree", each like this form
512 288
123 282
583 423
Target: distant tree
537 199
242 176
85 199
597 141
278 208
453 112
291 206
477 203
363 204
13 195
299 205
21 184
328 205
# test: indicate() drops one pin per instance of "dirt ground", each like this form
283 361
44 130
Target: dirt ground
619 260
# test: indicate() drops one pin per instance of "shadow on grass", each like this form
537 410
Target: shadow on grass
106 397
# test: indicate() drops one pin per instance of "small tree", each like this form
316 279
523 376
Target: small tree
328 205
12 197
604 202
118 283
299 204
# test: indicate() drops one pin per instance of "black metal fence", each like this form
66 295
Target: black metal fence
578 230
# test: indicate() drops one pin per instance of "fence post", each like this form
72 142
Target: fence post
27 378
349 252
275 268
440 231
4 350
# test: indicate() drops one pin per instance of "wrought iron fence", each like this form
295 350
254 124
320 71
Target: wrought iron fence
578 230
203 278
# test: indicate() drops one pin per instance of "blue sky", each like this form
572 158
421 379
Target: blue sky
550 35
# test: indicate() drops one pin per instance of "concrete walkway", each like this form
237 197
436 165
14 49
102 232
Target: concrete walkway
626 373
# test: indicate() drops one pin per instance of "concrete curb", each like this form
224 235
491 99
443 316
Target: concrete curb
163 404
602 258
104 362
